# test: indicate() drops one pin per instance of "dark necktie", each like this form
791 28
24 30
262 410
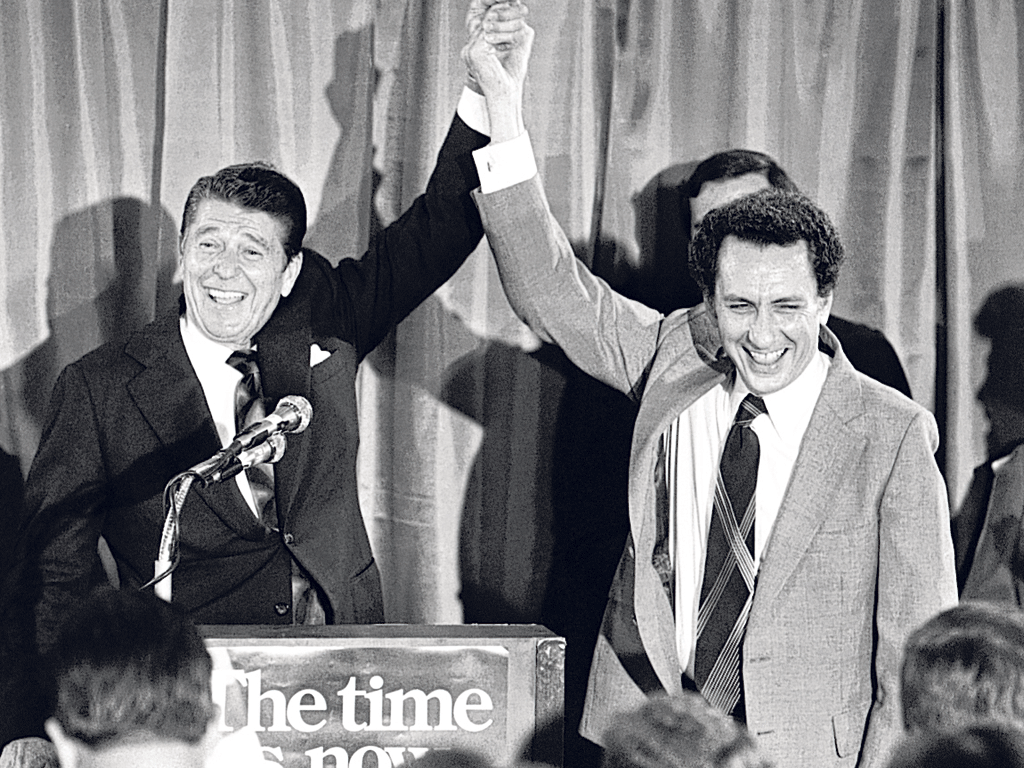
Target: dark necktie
248 409
728 587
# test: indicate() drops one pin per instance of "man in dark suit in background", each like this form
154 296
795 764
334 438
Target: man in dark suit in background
988 528
127 418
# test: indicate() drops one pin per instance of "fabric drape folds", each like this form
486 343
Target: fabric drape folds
111 110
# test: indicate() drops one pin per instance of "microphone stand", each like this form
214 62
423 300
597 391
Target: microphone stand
167 558
177 488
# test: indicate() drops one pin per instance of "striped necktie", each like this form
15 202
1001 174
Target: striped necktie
249 408
306 605
728 588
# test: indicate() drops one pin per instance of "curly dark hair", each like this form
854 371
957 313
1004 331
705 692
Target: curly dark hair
768 217
258 186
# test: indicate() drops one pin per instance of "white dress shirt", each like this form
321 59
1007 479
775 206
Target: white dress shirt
694 447
499 165
218 379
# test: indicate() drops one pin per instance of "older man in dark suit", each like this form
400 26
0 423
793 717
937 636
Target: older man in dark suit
279 547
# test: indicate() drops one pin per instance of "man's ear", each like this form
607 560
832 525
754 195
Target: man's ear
178 277
291 273
709 302
68 747
825 307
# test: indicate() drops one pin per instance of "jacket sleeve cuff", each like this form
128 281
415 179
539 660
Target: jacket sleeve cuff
472 109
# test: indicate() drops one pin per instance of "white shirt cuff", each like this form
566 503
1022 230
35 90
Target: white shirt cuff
473 111
506 164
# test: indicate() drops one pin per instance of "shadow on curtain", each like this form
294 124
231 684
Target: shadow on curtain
112 110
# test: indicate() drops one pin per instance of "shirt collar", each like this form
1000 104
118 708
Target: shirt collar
200 346
790 408
998 464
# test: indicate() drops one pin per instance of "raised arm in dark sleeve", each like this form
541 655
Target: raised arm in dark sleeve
360 300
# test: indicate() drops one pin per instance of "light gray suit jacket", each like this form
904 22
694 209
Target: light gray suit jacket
860 553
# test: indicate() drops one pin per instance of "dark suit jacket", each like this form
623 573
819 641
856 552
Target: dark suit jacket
126 418
870 352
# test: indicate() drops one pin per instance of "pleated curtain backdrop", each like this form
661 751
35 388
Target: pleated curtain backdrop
983 199
111 110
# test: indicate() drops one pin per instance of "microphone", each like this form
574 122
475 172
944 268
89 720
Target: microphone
221 467
268 452
224 465
292 414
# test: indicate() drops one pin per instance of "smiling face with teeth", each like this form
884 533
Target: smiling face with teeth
768 310
234 270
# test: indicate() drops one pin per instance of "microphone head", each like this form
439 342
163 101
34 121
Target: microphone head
302 413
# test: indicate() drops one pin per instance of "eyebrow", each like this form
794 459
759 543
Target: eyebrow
792 299
256 239
205 228
216 228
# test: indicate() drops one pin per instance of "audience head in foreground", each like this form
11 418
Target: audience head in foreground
963 667
977 746
680 732
130 684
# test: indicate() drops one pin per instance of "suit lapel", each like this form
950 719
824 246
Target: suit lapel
829 447
689 363
680 378
283 355
169 396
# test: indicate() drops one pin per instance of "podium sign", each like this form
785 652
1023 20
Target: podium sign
381 696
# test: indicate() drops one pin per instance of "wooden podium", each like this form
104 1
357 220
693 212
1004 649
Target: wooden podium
384 695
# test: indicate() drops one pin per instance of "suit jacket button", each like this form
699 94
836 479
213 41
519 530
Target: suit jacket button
288 538
281 608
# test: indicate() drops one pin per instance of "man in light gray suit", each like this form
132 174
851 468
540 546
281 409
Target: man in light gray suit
789 526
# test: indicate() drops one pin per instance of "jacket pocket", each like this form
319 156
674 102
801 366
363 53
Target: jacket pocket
848 730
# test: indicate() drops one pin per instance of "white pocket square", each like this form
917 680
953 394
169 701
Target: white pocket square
317 355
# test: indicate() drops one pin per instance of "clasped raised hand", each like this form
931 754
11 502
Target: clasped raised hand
498 50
